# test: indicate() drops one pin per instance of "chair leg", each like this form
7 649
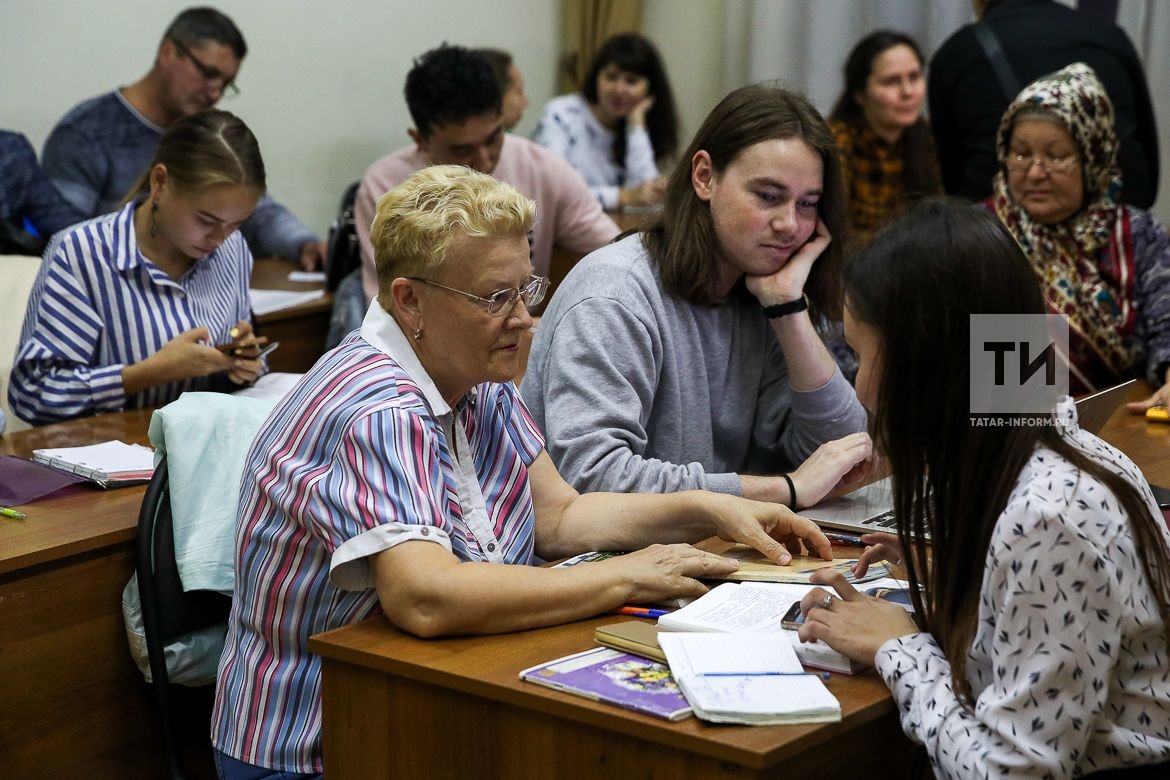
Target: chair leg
166 723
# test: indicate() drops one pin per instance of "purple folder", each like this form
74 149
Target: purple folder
23 480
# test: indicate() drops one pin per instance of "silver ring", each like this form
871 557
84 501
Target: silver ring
827 602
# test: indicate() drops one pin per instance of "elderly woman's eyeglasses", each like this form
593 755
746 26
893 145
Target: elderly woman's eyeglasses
210 75
501 301
1021 163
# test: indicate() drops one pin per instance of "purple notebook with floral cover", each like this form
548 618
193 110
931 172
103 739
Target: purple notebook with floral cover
23 480
614 677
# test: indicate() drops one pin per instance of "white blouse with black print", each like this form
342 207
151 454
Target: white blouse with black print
1069 664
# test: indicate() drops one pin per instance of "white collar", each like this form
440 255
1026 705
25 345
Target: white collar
382 332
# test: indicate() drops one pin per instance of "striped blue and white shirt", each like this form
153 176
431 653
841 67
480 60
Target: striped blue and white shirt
355 460
98 305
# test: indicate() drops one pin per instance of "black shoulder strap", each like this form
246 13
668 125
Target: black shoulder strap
999 62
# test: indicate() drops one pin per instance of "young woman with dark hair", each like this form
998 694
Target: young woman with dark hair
887 152
1040 646
620 127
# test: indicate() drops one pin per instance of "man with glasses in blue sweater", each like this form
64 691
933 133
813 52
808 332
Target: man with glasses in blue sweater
100 148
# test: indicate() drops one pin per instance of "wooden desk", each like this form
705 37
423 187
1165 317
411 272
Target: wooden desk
396 706
301 330
74 703
1146 443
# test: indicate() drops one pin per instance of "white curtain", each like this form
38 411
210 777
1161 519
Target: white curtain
1148 24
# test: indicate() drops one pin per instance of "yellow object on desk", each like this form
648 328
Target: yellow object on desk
6 512
1158 414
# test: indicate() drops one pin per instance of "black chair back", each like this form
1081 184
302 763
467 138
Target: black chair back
343 255
168 611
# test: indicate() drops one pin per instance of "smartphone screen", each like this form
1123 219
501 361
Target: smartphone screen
793 617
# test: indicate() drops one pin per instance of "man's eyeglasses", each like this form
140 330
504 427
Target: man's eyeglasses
210 75
1019 163
501 301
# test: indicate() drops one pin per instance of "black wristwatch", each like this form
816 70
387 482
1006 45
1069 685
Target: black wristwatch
783 309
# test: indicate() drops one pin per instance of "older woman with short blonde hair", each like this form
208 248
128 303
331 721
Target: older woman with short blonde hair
403 476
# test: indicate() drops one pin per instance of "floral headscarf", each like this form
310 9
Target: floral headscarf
1084 263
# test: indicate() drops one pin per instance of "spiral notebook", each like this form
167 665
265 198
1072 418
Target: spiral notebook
108 463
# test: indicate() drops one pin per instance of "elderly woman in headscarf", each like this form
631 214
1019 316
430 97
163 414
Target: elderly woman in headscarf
1102 264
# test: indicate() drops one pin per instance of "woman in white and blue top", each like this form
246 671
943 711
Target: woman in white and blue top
127 307
617 129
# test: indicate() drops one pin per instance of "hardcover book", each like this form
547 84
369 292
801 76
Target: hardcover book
631 636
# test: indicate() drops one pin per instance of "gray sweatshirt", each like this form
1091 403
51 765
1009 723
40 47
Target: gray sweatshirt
638 391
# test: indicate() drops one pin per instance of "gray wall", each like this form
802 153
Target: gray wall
322 84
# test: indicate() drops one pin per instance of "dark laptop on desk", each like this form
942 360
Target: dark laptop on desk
868 509
1093 411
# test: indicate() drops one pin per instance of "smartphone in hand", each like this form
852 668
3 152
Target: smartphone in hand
254 351
793 618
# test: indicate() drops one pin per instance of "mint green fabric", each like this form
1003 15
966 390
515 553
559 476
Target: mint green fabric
205 437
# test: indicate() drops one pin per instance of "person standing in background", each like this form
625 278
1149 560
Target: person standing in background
967 99
100 148
620 127
886 150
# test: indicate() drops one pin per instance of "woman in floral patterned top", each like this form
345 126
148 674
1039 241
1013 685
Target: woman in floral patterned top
1039 646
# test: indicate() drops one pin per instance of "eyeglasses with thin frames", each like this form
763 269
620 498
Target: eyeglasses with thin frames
1020 163
501 301
210 75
